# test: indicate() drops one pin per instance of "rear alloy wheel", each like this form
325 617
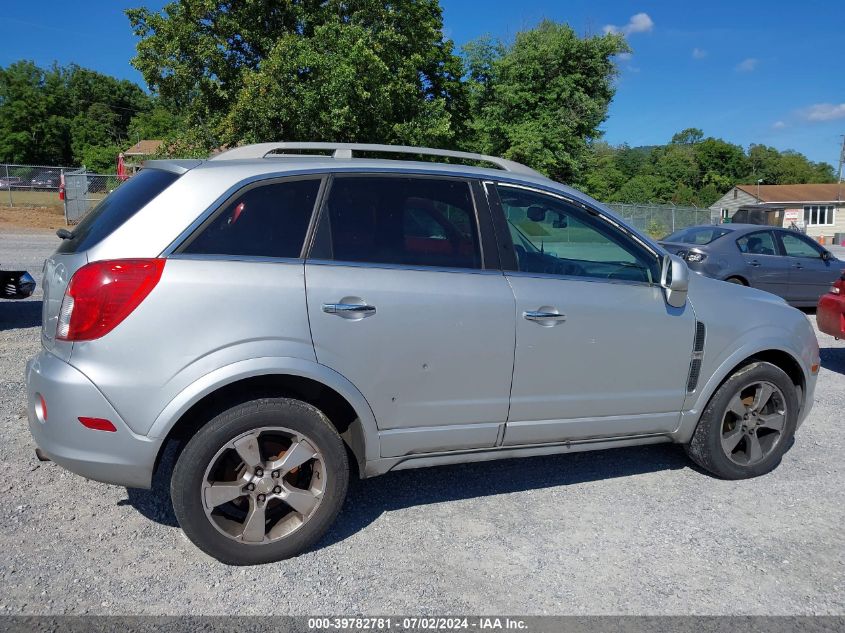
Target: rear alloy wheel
260 482
748 423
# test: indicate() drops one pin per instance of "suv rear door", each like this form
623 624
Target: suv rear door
406 300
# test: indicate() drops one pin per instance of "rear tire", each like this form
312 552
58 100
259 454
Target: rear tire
261 482
736 280
748 424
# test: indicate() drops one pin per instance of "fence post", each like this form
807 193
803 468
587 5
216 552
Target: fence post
63 187
9 185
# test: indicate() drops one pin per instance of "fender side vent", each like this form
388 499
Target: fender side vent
697 356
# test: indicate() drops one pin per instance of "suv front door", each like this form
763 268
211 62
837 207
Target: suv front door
599 353
406 304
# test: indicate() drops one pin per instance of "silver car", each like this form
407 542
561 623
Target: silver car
292 319
781 261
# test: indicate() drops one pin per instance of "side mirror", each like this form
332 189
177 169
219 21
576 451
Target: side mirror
674 278
827 256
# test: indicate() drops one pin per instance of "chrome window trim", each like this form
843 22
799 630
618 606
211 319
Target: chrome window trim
407 267
217 257
625 282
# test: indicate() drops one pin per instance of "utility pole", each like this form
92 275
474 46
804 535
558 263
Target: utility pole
841 160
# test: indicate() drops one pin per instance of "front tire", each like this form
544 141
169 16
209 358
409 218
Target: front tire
748 423
261 482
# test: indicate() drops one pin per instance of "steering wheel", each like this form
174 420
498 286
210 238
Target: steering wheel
568 268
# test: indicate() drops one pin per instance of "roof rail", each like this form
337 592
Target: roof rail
346 150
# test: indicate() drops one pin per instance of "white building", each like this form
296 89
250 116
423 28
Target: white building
820 207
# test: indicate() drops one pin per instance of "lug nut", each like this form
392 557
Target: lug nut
261 497
259 472
277 490
250 487
276 474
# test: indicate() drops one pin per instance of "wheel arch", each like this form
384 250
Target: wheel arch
775 354
320 386
742 278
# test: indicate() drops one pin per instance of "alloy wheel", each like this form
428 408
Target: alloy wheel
753 424
263 485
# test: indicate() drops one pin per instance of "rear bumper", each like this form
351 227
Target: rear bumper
119 457
830 315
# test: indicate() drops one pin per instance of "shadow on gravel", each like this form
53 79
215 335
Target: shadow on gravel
155 503
833 359
19 314
370 498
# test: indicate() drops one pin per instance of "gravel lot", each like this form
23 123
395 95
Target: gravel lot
628 531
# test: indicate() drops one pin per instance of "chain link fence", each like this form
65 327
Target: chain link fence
30 185
659 220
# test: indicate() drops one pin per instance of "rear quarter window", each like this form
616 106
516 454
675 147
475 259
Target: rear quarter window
116 208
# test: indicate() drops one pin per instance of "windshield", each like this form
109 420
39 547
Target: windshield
116 208
697 235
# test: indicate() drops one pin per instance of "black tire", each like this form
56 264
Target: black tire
736 280
189 473
705 448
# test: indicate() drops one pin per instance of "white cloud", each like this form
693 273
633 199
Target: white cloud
778 125
747 65
824 112
699 53
624 56
639 23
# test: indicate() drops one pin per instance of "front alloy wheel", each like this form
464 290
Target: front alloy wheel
748 423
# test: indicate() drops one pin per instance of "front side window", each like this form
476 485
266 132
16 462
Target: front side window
267 220
399 220
760 243
553 237
819 215
796 245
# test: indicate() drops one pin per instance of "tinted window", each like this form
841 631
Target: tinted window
553 237
761 243
410 221
799 246
116 208
697 235
263 221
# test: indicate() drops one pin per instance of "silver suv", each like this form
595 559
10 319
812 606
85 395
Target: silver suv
291 318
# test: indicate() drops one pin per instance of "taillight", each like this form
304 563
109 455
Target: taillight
100 295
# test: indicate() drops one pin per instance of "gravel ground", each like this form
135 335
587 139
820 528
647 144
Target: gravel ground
627 531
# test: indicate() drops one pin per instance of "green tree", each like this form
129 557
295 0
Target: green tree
541 99
232 67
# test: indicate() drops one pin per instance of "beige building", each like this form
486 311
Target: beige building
819 208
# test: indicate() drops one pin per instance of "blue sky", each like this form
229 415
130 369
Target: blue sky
747 71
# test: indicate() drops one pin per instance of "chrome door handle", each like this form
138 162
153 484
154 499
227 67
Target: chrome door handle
544 317
349 310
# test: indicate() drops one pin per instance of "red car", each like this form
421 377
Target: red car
831 311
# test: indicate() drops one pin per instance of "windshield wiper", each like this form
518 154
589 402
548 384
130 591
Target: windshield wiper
65 234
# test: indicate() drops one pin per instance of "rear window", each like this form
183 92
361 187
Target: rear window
116 208
268 220
697 235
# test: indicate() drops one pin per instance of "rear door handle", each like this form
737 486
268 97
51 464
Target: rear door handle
798 266
544 316
754 262
354 311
